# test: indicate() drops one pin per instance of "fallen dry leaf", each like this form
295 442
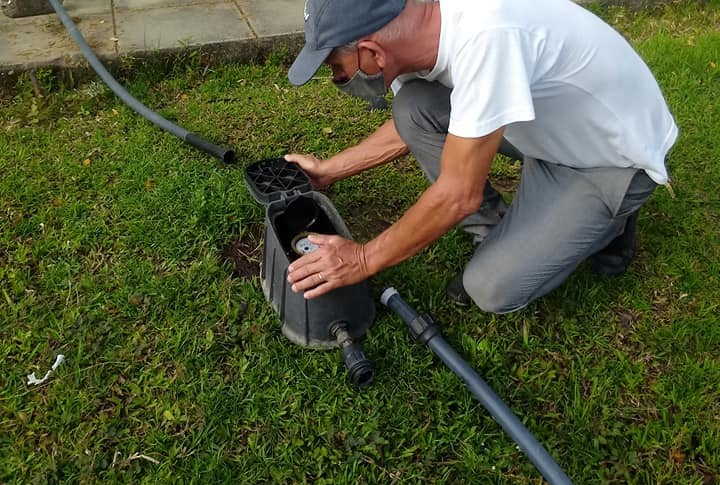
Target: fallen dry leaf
677 457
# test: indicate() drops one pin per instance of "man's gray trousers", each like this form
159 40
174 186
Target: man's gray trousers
559 217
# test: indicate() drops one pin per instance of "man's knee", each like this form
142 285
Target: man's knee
493 289
421 105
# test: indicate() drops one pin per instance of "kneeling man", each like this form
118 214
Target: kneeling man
548 83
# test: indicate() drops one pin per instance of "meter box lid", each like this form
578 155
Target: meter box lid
269 180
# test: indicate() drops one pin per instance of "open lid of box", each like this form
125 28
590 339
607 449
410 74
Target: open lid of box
275 178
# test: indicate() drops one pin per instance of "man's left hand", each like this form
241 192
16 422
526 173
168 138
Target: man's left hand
336 263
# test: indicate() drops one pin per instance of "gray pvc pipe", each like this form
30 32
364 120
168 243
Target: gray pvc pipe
483 392
198 142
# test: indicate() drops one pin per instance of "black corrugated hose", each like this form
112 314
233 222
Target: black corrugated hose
424 330
224 154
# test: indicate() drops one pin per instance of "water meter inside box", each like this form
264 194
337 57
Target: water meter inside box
302 215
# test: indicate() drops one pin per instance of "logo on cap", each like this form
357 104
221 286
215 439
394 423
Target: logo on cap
305 11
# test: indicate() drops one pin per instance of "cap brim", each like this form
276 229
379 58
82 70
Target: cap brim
307 64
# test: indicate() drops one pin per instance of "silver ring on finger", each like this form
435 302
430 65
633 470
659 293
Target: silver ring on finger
321 278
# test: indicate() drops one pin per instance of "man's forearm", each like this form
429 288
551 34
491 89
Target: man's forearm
435 213
381 147
457 193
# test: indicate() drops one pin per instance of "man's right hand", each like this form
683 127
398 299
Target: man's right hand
316 169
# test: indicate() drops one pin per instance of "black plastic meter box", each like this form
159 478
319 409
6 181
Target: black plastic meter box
293 210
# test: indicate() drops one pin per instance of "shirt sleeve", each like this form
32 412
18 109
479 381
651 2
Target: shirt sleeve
491 77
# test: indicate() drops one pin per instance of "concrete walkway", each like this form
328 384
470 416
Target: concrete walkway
146 27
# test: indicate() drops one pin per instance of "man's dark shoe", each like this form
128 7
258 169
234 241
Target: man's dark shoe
456 291
615 259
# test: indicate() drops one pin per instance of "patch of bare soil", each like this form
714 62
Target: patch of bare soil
245 253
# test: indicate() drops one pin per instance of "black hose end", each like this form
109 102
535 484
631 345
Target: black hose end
229 156
422 327
226 155
360 368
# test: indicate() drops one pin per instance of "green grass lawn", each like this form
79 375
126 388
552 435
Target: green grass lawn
113 242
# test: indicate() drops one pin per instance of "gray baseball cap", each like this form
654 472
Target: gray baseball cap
334 23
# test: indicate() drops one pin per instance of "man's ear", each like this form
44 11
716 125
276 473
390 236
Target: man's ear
376 51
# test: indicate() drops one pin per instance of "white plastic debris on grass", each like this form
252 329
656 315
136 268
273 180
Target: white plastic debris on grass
32 380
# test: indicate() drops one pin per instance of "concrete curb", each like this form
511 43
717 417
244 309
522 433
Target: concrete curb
74 69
